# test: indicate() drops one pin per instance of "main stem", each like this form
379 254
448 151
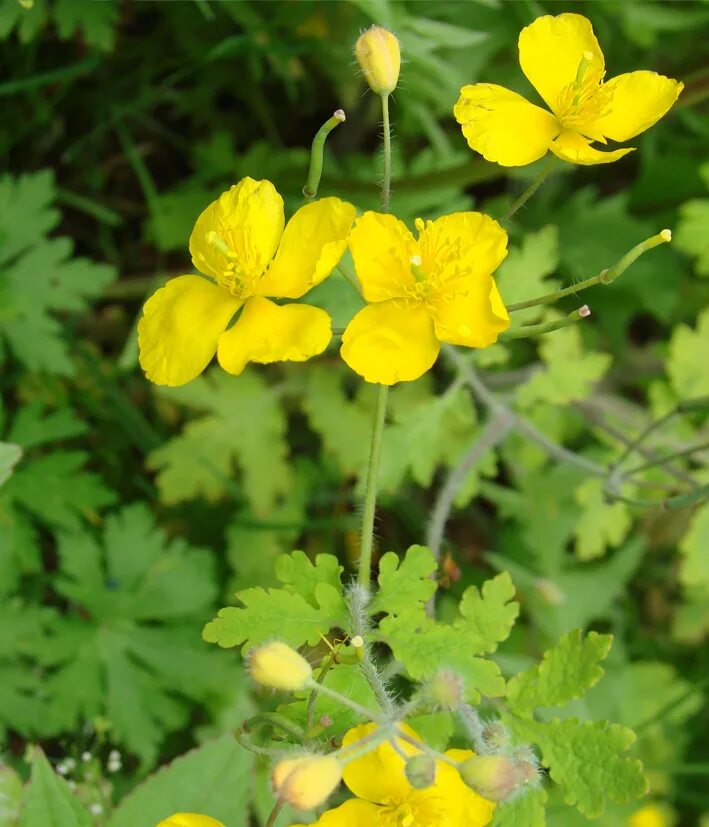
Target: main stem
370 494
386 183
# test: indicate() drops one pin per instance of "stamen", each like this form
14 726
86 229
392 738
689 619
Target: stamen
219 244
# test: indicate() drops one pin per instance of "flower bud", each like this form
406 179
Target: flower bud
497 777
280 667
495 736
421 771
379 57
189 820
445 689
306 781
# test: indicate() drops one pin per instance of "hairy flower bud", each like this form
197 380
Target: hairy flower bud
306 781
189 820
495 736
421 771
497 777
379 57
280 667
445 689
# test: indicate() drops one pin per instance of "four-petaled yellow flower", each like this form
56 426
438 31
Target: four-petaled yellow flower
437 288
386 799
562 59
239 242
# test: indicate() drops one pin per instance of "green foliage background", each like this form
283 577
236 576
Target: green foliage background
129 513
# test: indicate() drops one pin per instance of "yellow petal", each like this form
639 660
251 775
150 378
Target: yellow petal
353 813
637 101
190 820
382 248
266 332
574 148
378 776
180 328
550 51
390 342
460 248
313 242
504 127
248 221
471 319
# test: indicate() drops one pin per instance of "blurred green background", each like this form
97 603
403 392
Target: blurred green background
134 511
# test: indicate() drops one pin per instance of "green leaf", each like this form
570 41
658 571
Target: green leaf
691 233
9 457
694 567
424 647
11 790
242 425
403 583
300 576
488 615
687 365
215 779
586 759
526 270
526 811
570 372
566 672
600 523
96 21
269 614
39 276
135 599
441 428
48 801
343 425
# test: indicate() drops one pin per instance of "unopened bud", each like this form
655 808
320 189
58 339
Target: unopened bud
421 771
190 820
306 781
445 689
379 57
495 736
497 777
280 667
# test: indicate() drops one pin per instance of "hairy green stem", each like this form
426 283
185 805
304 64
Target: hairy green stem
386 183
348 702
529 192
370 494
604 277
310 190
277 807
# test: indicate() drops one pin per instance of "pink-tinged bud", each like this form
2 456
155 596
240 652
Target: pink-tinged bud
379 57
421 771
495 736
497 777
306 781
278 666
190 820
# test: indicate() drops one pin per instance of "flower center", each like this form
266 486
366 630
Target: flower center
421 808
231 276
584 101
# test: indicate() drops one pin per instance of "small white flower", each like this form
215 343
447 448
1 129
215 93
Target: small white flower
86 757
96 809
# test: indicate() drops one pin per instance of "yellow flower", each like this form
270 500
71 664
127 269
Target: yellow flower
649 816
422 292
239 242
279 666
190 820
562 59
386 799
